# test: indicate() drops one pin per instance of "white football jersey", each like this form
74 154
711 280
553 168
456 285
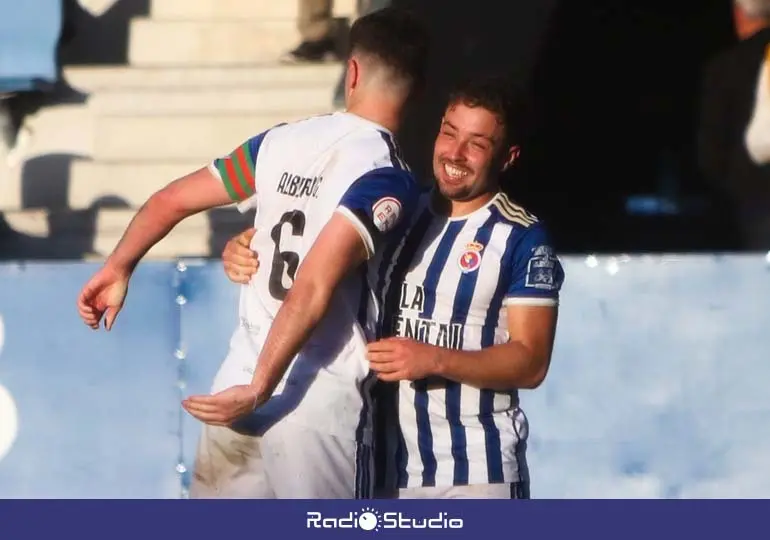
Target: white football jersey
297 176
449 284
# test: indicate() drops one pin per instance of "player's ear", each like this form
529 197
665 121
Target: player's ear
353 74
511 155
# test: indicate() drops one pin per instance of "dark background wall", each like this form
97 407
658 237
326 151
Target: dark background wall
614 88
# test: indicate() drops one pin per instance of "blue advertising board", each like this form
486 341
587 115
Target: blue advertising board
657 388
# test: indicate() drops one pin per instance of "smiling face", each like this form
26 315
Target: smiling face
470 152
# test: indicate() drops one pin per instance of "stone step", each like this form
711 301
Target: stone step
37 169
209 42
223 10
97 78
180 137
127 183
95 233
240 100
238 9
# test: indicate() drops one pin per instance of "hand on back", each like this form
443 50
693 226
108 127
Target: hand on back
239 261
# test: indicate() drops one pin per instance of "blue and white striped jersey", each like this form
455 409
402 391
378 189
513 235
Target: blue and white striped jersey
449 283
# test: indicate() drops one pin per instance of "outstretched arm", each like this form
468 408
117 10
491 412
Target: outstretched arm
104 294
224 181
368 213
191 194
338 250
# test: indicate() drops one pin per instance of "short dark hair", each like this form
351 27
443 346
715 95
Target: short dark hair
499 95
397 38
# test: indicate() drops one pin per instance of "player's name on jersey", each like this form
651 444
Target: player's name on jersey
294 185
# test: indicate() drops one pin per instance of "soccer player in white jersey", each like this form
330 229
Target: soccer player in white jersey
290 412
470 297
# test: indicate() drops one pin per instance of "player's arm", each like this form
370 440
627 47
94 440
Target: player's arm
224 181
522 362
531 305
338 250
368 213
756 136
188 195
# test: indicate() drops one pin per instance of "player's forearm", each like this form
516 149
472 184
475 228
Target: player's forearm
150 225
304 307
501 367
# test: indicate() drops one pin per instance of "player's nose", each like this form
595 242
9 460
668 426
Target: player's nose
456 153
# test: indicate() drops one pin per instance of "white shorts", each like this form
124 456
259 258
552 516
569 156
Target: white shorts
289 461
516 490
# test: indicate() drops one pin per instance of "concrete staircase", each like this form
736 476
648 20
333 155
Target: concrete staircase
202 77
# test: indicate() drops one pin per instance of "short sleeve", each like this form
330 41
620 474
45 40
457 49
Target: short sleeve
237 169
377 204
537 274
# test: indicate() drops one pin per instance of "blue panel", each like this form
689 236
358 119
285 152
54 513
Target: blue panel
209 315
29 31
659 382
96 410
658 386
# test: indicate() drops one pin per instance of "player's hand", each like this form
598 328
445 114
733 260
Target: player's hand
103 296
225 407
239 260
401 359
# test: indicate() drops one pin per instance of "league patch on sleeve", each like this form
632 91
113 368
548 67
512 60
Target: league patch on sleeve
542 269
386 213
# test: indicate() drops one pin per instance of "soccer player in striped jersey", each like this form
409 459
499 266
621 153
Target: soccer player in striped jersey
331 193
470 302
470 298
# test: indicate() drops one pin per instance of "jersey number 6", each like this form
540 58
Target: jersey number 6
288 260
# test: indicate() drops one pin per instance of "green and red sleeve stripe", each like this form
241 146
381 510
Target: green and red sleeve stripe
237 170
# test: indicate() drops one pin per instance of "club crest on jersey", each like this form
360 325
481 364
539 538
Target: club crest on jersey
470 259
386 213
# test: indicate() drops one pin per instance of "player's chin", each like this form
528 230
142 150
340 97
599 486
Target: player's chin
454 192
